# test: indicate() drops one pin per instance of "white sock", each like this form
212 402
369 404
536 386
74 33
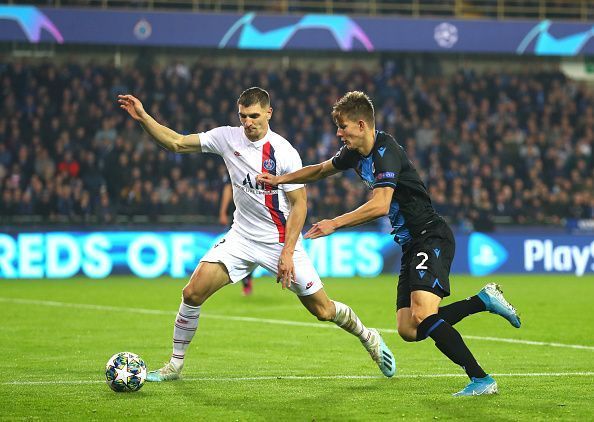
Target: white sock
186 324
346 319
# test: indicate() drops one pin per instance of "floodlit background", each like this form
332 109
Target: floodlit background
100 228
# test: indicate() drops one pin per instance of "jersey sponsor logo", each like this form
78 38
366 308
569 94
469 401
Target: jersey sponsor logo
485 254
268 165
386 175
256 190
381 151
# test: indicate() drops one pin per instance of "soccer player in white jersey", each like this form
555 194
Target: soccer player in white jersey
224 209
266 228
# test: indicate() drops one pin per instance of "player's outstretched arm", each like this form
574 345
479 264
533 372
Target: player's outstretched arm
167 138
377 206
286 267
304 175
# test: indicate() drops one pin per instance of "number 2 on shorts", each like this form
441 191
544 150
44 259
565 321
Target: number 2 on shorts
422 265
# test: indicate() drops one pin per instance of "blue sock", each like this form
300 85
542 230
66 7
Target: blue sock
450 343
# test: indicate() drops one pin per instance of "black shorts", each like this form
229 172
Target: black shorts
426 262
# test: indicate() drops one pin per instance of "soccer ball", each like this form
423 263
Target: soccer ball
125 372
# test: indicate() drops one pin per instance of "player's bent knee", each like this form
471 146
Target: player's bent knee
418 317
407 333
191 296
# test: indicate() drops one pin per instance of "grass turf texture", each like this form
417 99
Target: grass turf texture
247 363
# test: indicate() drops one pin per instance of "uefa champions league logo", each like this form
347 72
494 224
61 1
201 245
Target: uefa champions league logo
245 33
446 35
32 21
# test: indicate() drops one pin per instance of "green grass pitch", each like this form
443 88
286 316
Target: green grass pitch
265 358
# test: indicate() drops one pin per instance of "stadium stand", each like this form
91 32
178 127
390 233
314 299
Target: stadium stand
500 148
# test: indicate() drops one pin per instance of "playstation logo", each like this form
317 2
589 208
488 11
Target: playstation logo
485 254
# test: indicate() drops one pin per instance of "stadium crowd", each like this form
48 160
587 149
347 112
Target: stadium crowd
491 147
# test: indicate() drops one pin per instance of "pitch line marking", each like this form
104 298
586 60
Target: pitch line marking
312 378
267 321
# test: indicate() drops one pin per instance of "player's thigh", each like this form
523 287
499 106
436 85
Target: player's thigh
235 253
207 278
423 304
307 281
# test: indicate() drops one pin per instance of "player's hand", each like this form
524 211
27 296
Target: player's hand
132 105
320 229
286 269
268 179
223 219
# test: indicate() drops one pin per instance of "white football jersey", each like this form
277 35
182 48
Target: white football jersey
261 212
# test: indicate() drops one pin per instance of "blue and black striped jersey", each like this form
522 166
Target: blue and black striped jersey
388 166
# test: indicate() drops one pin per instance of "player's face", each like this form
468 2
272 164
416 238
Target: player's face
350 132
254 119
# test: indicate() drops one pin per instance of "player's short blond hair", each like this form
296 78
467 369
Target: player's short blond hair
254 95
354 105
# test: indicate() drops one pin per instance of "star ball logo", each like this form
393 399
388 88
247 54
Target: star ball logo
485 254
446 35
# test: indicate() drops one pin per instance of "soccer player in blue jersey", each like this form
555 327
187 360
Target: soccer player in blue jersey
426 239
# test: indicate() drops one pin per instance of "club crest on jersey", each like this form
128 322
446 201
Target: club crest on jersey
268 164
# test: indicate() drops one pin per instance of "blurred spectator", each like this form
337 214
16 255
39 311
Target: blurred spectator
495 147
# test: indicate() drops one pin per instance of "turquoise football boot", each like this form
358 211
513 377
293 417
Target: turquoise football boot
495 303
381 354
167 373
478 387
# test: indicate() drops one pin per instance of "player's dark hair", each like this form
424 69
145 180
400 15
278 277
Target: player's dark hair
254 95
354 105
